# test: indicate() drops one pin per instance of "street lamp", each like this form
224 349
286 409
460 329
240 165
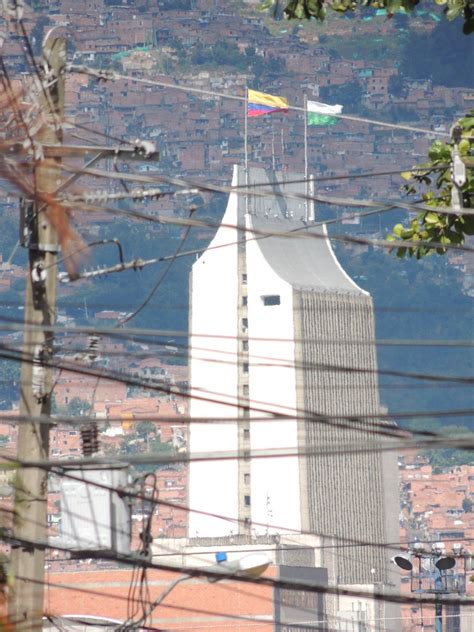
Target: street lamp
251 566
403 562
434 573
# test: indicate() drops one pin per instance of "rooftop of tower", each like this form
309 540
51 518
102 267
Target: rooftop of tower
303 255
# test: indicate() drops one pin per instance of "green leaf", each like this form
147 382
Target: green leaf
464 146
467 122
398 229
432 218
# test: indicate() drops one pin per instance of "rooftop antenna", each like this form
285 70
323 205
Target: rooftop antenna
269 512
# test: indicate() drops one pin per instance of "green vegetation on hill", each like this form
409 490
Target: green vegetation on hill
441 56
444 457
225 53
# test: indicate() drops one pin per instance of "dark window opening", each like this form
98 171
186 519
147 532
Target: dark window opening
247 479
245 367
245 301
271 299
247 501
246 433
245 347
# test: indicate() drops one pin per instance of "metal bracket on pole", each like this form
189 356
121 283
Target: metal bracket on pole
458 171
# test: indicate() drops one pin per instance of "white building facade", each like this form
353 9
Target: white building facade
283 383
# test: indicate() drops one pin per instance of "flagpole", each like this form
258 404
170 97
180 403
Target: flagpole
306 154
246 150
282 149
273 149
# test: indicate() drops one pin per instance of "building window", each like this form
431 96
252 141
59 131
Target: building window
245 367
246 433
245 323
246 455
247 479
245 301
245 345
247 501
245 389
244 279
246 411
271 299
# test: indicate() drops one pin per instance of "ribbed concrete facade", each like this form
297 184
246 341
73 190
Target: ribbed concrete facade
297 340
345 491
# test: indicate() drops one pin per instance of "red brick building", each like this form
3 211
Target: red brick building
193 605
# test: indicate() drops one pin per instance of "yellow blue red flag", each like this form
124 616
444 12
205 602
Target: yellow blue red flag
260 103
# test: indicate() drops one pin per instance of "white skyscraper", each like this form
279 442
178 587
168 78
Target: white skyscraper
282 365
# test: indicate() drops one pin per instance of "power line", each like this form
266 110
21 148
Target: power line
249 191
159 281
257 234
266 581
139 264
319 178
134 380
233 617
342 176
112 75
186 420
66 303
344 543
234 520
180 350
144 335
463 441
255 406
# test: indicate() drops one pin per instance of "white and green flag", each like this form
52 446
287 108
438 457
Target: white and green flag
321 114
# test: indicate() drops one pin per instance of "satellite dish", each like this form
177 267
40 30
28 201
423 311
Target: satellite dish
445 563
402 562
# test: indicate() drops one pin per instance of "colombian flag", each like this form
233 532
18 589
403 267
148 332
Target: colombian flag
259 103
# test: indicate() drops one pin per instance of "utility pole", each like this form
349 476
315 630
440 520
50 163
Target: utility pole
26 603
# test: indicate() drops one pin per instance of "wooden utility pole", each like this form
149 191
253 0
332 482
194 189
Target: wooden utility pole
26 602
